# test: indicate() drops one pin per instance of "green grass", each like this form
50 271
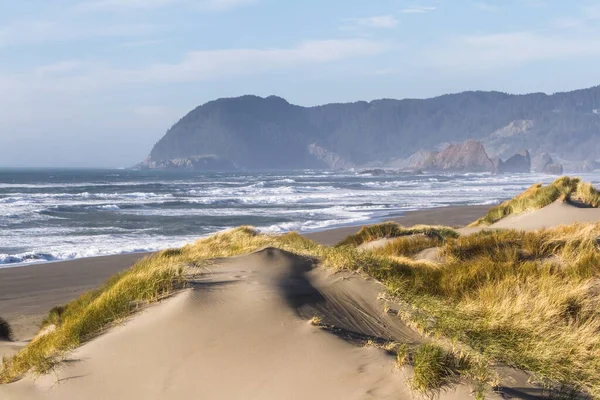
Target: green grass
5 330
530 300
538 196
434 368
84 318
527 299
389 230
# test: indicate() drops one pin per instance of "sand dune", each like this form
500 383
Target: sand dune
557 213
553 215
242 331
239 333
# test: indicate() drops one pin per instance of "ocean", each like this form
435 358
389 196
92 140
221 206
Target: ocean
50 215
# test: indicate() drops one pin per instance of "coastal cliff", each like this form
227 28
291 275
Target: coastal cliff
252 132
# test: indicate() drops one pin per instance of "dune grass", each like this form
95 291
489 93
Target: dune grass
149 280
408 246
538 196
389 230
434 368
84 318
5 330
529 300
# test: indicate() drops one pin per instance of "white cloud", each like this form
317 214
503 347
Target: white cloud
40 31
211 64
62 67
489 7
128 5
418 10
381 21
224 5
111 5
588 19
497 51
71 76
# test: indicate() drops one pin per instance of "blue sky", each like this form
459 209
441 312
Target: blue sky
98 82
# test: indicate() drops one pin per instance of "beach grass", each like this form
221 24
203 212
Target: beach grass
5 330
435 367
388 230
538 196
408 246
149 280
526 299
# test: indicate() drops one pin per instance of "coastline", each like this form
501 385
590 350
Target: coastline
27 293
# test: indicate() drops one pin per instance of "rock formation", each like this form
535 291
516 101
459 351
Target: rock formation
519 163
198 163
333 160
469 156
544 164
553 169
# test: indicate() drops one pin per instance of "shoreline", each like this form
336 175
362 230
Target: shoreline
28 292
324 235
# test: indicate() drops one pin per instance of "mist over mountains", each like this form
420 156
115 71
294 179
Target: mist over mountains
251 132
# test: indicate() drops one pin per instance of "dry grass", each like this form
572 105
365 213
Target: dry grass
587 194
5 330
408 246
538 196
149 280
389 230
529 300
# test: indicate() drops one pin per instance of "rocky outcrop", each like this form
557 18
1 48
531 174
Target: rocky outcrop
519 163
331 159
553 169
469 156
198 163
539 162
544 164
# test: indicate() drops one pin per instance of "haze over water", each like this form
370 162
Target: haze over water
48 215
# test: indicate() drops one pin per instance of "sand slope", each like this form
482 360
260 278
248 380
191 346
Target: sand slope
557 213
27 293
551 216
238 333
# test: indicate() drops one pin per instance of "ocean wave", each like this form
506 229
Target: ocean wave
84 250
65 222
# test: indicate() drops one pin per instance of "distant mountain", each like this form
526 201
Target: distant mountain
269 133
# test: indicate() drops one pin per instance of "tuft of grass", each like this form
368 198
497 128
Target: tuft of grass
402 354
587 194
434 368
54 316
538 196
393 230
5 330
409 246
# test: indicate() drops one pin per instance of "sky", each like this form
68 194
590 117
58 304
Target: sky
95 83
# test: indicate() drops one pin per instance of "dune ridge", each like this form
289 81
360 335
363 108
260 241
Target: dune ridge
243 330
